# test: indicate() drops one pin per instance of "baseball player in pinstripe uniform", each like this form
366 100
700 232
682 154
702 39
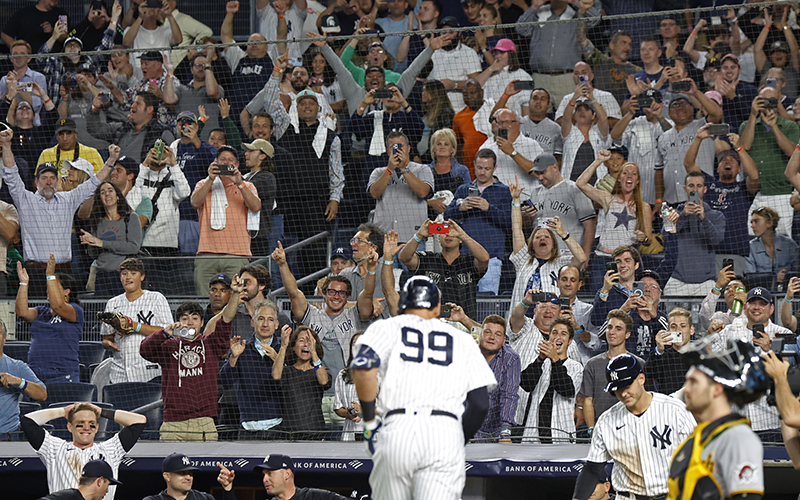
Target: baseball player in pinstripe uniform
420 452
65 460
640 433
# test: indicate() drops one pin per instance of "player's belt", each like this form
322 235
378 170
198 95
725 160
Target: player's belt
440 413
634 496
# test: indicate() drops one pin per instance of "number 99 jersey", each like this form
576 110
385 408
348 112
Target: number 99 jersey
425 363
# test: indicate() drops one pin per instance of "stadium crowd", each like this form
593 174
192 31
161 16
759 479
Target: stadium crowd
623 161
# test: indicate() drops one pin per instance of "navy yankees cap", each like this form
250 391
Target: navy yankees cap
177 462
275 462
759 292
341 252
221 278
621 371
99 468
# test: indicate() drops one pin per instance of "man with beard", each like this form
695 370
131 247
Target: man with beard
335 324
45 216
202 90
736 95
136 135
219 291
729 195
471 124
611 72
536 125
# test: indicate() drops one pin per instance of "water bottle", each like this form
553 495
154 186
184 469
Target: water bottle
668 226
736 307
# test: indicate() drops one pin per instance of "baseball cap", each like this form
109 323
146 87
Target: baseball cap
714 96
620 150
275 462
584 102
680 97
759 292
307 93
450 21
377 43
713 63
221 278
152 55
186 116
177 462
374 68
649 273
129 164
225 147
22 103
655 94
621 371
73 39
80 164
330 24
729 56
88 68
543 161
262 145
341 252
66 124
780 45
45 167
99 468
728 152
505 45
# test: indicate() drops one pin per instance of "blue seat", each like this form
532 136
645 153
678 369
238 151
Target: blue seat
90 354
132 395
17 349
70 393
26 407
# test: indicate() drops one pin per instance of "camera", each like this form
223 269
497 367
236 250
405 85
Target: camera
771 103
438 228
444 311
184 332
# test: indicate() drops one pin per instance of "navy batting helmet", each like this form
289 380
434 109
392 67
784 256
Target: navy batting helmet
419 292
621 371
737 367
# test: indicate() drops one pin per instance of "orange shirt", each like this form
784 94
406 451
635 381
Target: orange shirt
234 238
472 139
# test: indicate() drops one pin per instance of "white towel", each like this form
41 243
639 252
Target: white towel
219 205
481 118
378 145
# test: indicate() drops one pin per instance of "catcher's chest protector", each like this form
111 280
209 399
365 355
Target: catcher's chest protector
691 477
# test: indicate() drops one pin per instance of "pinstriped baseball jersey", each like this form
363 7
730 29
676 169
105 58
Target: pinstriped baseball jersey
425 363
641 446
127 365
64 461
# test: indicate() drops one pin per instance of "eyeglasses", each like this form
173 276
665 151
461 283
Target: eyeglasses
330 292
506 122
358 240
652 287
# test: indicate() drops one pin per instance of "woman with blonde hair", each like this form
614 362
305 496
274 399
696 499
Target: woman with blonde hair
539 258
448 174
626 218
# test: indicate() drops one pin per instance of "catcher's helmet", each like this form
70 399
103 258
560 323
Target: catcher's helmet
621 371
737 367
419 292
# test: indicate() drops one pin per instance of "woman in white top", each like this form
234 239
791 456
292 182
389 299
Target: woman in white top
501 72
538 261
583 139
627 218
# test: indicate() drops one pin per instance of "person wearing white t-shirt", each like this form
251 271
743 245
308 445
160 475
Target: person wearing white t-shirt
504 70
294 13
154 28
583 75
454 64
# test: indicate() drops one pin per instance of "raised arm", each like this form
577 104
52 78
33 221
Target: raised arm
57 302
480 255
599 196
226 31
690 160
517 234
364 301
788 319
298 300
277 366
390 240
408 255
792 168
748 164
758 49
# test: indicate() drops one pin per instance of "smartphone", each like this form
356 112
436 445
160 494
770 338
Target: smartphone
611 266
524 85
719 129
644 101
675 337
681 86
546 223
438 228
539 297
777 345
565 305
583 79
225 169
670 63
771 103
105 98
159 147
473 191
28 86
758 331
638 288
772 82
383 94
726 263
296 61
529 204
444 312
502 132
62 19
716 20
371 32
153 82
397 147
694 196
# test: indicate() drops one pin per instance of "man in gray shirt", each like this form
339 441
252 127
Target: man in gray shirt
562 198
539 127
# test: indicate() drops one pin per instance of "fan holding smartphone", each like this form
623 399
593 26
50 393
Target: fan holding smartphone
667 369
505 69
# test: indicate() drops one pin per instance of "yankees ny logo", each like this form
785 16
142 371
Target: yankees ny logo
661 437
145 318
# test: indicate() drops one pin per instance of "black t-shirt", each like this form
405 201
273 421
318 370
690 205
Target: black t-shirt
70 494
26 24
315 494
458 282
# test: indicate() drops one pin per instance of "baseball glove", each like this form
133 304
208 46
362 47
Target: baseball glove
118 322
